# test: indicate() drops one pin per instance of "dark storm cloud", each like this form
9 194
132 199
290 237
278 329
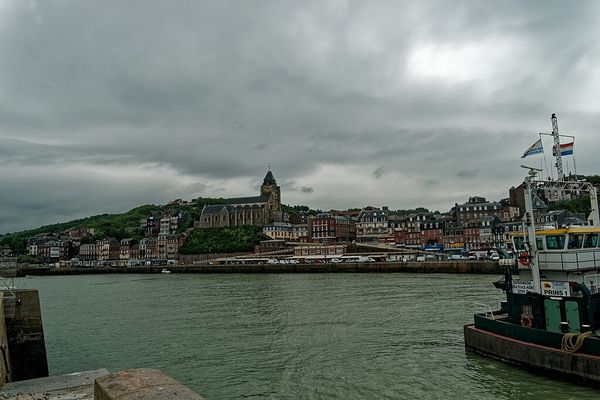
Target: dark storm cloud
421 102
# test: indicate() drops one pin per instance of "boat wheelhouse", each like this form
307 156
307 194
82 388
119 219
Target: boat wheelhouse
571 251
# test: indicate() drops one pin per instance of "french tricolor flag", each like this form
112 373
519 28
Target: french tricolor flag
566 149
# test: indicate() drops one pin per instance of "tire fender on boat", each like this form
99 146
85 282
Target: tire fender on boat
524 259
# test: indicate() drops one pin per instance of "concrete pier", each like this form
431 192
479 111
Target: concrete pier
76 386
22 346
142 383
138 384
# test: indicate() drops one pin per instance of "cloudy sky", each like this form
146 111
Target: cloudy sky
106 105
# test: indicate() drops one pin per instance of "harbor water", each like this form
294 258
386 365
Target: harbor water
286 336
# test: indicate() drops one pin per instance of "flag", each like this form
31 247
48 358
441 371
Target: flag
535 148
566 149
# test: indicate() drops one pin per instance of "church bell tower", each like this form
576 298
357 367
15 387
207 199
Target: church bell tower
270 188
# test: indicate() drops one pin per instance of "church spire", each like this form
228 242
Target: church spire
269 178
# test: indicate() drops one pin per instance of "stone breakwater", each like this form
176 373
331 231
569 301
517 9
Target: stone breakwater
446 267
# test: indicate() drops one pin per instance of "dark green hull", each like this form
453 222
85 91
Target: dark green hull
535 349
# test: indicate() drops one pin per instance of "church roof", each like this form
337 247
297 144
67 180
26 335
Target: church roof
214 209
269 179
249 200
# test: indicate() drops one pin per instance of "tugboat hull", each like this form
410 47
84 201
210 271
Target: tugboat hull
571 366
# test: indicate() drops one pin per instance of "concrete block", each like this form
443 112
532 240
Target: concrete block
141 384
77 382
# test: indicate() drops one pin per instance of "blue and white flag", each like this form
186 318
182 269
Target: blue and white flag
535 148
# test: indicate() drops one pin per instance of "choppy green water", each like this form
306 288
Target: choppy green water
296 336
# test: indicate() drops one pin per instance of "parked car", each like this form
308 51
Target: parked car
365 259
336 260
272 261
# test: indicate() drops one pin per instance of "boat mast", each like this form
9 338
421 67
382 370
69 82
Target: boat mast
556 148
530 222
594 218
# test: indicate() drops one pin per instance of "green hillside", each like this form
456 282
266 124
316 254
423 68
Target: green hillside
119 226
222 240
126 225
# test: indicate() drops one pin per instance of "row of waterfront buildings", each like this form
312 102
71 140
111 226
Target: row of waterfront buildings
477 224
474 225
159 246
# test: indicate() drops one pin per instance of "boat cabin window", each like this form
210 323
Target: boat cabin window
591 240
555 242
519 243
539 242
575 240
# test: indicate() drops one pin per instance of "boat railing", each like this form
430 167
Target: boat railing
483 309
569 260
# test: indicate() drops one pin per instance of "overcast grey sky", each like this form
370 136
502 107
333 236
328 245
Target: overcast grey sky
105 105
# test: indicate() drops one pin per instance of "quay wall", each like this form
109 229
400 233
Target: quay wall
22 349
5 361
447 267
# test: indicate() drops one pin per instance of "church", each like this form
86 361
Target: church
257 210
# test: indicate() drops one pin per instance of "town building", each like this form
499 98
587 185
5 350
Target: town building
108 249
559 218
5 251
150 226
320 250
477 207
510 213
286 231
417 230
267 246
372 225
172 220
327 228
454 236
125 250
432 232
503 233
88 253
471 234
52 251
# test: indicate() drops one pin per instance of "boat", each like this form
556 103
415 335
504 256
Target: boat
165 271
550 320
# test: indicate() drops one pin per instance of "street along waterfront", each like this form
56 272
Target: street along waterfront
285 336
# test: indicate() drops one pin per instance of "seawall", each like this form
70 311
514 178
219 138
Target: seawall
22 346
446 267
